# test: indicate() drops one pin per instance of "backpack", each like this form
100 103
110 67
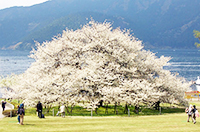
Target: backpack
21 111
42 116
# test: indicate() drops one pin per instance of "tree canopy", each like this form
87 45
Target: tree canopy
97 63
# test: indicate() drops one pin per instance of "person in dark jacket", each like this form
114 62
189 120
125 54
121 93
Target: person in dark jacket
193 114
21 114
39 109
18 115
3 104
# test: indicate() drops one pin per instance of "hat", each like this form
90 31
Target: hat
21 105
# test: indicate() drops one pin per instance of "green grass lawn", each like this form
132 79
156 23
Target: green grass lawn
167 122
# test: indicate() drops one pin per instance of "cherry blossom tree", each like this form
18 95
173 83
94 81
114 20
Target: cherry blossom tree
6 84
98 63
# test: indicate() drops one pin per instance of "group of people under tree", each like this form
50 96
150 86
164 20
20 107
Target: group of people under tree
192 112
39 110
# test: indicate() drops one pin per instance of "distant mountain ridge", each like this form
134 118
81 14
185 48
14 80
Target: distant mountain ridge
158 23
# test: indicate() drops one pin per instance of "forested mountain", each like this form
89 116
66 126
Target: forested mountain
158 23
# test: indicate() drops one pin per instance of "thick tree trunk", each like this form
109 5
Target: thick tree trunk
72 107
157 105
96 110
126 109
115 109
136 109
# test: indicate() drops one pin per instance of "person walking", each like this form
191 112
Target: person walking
189 112
39 109
21 113
194 114
3 104
18 114
62 110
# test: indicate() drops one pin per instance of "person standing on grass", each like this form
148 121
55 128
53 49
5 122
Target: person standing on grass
39 109
189 112
193 114
21 113
3 104
18 114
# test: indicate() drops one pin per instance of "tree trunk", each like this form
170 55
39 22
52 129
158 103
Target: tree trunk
67 108
72 107
126 109
96 110
106 111
157 105
136 109
101 103
115 109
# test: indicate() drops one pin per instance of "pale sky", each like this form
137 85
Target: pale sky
10 3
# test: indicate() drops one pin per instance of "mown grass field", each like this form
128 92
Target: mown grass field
153 123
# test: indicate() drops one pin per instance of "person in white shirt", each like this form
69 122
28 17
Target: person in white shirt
62 110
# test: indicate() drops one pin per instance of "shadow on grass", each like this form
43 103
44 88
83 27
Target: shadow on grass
29 124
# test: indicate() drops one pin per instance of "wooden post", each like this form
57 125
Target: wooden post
160 110
11 114
91 112
128 112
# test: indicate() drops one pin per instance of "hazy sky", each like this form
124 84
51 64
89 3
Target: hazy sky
10 3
